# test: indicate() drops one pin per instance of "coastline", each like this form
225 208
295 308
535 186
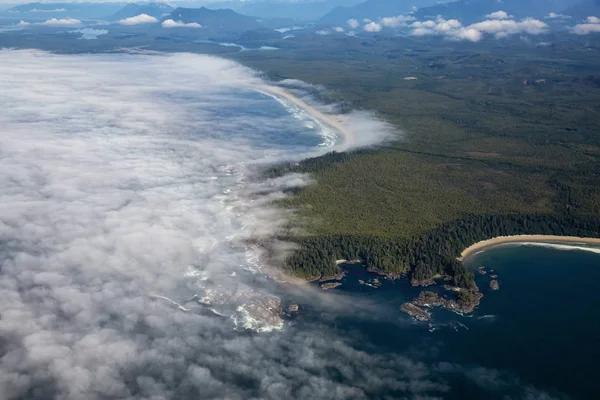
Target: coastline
333 121
525 238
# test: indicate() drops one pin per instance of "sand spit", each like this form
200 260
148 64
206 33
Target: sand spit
526 239
333 121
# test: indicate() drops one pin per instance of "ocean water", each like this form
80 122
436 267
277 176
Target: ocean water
537 337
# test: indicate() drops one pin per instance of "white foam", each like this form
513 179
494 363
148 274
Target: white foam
560 246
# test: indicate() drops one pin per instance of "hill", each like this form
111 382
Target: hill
372 9
469 11
63 10
299 11
584 10
156 10
221 21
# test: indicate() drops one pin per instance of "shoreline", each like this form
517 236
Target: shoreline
333 121
550 239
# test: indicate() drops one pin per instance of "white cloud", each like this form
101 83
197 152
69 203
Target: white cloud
470 34
453 29
553 15
24 23
424 24
322 32
372 27
353 23
503 28
396 22
130 177
62 22
48 11
339 29
499 15
593 20
169 23
593 26
138 19
445 26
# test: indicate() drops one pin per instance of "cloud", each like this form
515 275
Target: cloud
553 15
593 20
453 29
48 11
62 22
396 22
322 32
169 23
469 34
353 23
138 19
128 198
339 29
503 28
372 27
593 26
24 23
499 15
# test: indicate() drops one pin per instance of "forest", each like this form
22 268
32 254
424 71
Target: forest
434 253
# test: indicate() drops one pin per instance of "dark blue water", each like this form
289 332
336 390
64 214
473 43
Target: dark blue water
537 337
252 118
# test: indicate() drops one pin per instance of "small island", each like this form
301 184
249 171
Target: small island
494 285
330 285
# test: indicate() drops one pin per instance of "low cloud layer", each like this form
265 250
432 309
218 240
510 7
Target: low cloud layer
592 25
169 23
499 15
127 198
138 19
61 22
499 24
372 27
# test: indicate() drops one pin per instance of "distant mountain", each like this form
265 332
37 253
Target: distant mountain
469 11
299 11
63 10
583 10
373 9
220 21
157 10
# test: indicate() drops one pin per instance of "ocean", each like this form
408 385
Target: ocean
128 195
534 338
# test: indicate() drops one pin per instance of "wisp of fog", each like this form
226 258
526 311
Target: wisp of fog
125 207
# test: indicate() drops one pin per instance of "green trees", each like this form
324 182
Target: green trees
430 254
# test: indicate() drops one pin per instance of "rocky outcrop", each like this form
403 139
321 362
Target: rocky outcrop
416 312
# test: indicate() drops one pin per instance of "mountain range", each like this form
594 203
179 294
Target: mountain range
373 9
156 10
469 11
222 21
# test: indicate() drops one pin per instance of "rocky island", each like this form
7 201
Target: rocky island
463 302
330 285
416 312
494 285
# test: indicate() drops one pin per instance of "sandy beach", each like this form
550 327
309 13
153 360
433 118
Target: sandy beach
525 238
333 121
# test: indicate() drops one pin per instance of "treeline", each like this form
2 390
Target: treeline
430 254
309 165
